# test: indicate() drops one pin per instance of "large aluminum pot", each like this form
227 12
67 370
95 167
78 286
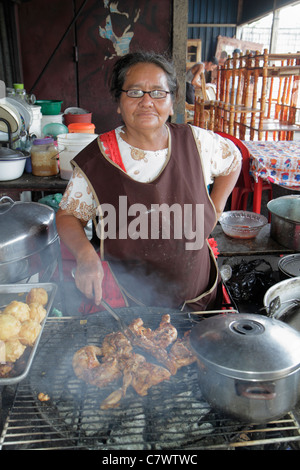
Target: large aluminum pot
285 221
29 241
249 365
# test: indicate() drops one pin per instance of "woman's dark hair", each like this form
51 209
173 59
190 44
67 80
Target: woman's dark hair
127 61
213 60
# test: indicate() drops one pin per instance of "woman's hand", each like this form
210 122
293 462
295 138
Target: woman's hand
89 276
89 272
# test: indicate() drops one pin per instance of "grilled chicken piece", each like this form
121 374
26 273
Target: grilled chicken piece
116 344
138 373
164 335
145 339
87 367
113 400
181 352
147 376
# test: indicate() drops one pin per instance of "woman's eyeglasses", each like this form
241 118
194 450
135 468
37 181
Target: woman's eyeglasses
155 94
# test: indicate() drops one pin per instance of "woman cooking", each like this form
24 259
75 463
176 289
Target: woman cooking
149 170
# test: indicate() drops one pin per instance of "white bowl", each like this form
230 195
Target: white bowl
12 165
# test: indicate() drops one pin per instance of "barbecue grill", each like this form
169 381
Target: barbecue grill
173 415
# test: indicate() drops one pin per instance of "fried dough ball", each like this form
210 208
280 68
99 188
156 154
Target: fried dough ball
37 312
37 294
29 332
9 327
5 369
19 310
13 350
2 352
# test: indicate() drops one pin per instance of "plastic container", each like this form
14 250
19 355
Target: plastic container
53 129
71 144
55 118
72 115
44 156
82 127
49 107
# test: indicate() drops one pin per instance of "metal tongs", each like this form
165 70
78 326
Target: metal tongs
114 314
117 317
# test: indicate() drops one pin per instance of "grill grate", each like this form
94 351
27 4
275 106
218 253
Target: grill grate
172 416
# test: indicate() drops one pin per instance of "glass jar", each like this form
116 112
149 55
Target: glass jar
44 155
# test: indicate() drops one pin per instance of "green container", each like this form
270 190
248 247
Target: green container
49 107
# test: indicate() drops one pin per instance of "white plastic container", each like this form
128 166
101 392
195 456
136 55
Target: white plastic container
69 145
48 119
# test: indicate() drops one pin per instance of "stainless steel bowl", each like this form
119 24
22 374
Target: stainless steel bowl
282 301
242 224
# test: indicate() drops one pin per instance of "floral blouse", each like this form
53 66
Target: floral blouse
219 157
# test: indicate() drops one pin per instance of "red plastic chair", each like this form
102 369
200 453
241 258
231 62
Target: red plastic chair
245 183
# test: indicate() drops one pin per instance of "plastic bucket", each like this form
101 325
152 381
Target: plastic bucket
71 118
71 144
49 107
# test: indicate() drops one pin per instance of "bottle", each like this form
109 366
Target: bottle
20 92
44 156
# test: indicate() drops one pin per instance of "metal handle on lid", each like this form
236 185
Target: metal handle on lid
247 327
10 200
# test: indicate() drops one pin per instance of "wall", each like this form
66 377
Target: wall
104 30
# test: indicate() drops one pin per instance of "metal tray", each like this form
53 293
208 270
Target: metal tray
10 292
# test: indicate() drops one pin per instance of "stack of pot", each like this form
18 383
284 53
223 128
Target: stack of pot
29 243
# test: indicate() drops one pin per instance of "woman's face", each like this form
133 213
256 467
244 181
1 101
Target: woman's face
145 113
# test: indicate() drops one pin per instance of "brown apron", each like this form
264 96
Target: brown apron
158 270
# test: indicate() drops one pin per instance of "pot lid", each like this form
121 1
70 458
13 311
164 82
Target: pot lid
26 228
290 265
247 346
9 154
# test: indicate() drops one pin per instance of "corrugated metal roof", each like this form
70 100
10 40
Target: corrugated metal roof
209 19
252 10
